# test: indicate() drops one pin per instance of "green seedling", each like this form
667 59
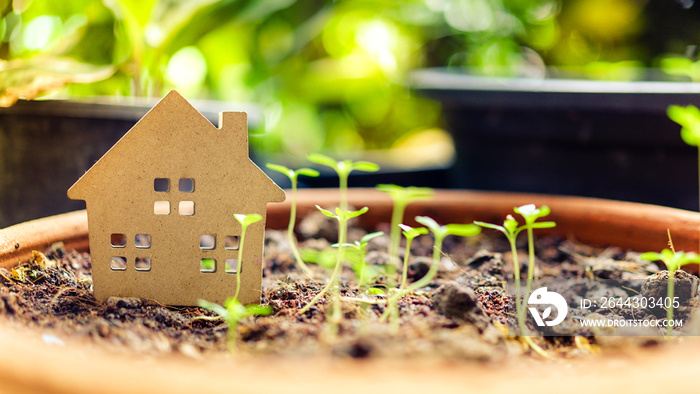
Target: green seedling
673 261
689 119
358 261
410 233
245 221
334 282
531 213
392 310
439 233
233 312
511 230
293 176
401 196
343 168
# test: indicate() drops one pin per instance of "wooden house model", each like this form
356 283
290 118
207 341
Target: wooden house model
160 207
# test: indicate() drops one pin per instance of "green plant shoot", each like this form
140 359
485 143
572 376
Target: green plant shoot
401 196
359 261
410 233
293 176
233 312
531 213
245 221
689 119
343 168
334 282
439 232
511 230
673 261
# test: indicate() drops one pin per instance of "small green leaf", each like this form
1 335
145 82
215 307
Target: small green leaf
323 160
650 256
463 230
308 172
368 237
365 166
429 223
247 220
544 225
282 169
353 214
216 308
376 291
259 310
689 137
410 232
327 213
491 226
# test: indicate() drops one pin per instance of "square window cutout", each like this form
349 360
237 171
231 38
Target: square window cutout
231 266
207 242
142 241
186 208
117 240
207 265
231 242
186 185
161 208
117 263
143 264
161 185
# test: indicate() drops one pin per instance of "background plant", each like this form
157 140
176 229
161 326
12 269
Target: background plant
689 119
343 168
401 197
331 75
293 176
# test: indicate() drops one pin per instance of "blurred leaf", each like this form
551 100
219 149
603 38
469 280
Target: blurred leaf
464 230
29 78
366 166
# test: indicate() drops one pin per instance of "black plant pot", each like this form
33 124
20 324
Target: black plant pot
45 146
560 136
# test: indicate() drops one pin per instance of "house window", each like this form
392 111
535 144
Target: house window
231 266
186 185
117 240
143 264
231 242
186 208
161 207
117 263
161 185
207 242
207 265
142 241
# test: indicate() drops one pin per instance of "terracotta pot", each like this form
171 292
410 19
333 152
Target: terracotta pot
32 365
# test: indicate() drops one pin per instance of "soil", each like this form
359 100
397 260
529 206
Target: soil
462 314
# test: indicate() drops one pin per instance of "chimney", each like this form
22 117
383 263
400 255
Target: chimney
235 125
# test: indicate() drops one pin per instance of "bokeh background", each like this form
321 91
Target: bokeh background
330 76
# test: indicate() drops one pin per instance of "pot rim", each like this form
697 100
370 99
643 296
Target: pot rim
73 367
599 222
460 87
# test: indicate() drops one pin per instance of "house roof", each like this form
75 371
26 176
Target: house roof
174 139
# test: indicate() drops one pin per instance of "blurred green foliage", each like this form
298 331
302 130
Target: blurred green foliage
331 75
